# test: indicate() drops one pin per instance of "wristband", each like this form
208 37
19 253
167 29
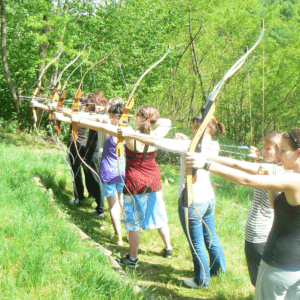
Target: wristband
207 164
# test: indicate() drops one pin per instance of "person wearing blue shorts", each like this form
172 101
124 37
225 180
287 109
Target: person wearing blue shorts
110 173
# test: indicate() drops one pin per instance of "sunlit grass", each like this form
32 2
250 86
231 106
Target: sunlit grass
42 256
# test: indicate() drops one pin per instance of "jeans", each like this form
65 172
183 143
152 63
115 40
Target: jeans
201 240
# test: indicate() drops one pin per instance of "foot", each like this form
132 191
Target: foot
129 262
116 239
193 285
96 213
76 201
167 253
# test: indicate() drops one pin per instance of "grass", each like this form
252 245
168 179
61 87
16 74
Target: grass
42 257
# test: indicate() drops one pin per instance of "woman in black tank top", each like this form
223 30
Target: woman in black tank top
279 272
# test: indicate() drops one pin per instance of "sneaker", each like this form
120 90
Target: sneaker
167 253
76 201
96 213
193 285
127 261
116 240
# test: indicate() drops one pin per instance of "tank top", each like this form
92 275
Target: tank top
142 173
283 246
109 171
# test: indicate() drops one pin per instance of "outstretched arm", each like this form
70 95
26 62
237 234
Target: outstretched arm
248 167
288 183
107 128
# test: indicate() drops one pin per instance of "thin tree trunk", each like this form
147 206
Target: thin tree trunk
5 62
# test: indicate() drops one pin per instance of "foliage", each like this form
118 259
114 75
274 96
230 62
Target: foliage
141 30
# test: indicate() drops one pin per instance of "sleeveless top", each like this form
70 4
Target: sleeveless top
109 171
283 246
142 172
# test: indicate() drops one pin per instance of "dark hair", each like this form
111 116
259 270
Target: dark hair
293 138
212 125
151 115
116 109
113 101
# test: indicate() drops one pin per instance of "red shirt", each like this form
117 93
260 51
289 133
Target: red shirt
142 173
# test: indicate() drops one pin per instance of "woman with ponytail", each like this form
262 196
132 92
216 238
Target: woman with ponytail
203 206
144 206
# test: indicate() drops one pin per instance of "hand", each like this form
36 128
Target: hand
121 133
52 106
262 171
180 136
75 118
254 150
195 160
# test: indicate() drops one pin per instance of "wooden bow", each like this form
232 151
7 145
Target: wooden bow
207 112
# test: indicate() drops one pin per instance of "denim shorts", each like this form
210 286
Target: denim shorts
147 211
110 190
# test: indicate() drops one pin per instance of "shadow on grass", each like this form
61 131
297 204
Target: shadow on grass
159 275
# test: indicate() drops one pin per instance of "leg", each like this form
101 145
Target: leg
276 284
76 168
253 252
114 209
214 247
165 235
201 267
135 237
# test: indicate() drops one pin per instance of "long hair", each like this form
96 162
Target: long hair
151 115
212 126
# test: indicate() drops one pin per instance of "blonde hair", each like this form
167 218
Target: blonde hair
151 115
273 139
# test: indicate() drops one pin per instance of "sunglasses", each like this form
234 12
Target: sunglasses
294 139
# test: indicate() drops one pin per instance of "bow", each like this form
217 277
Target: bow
38 86
125 115
76 109
62 95
130 103
207 112
54 97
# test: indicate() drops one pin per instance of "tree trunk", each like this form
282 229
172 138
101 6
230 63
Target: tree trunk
5 62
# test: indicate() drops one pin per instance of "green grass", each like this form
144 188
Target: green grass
42 256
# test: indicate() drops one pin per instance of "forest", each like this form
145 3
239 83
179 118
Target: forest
206 38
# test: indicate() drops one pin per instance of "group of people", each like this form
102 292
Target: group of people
272 235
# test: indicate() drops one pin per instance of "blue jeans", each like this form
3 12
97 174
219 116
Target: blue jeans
201 240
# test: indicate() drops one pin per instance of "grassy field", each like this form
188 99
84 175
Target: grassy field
42 256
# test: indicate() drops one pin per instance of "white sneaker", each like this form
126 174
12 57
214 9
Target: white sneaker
191 283
76 201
